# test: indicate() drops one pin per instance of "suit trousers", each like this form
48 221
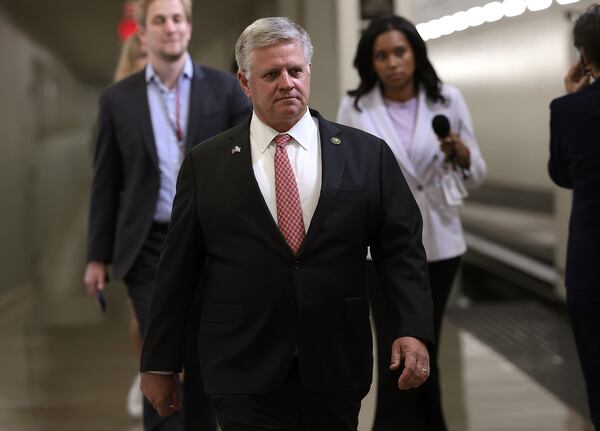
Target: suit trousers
585 320
291 408
415 409
140 282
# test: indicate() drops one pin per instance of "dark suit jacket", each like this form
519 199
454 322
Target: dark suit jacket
126 175
260 302
575 164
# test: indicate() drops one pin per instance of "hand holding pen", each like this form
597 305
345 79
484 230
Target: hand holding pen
95 279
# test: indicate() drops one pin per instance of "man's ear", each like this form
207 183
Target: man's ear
243 82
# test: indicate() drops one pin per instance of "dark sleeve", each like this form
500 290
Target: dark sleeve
398 254
107 183
558 167
179 270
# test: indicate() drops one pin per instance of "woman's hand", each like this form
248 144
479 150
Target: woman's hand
456 151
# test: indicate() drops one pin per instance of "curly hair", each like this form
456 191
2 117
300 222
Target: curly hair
586 34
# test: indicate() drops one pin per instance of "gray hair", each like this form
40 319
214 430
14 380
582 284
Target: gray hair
269 31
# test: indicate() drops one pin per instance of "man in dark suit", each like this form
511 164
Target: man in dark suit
145 125
271 224
575 164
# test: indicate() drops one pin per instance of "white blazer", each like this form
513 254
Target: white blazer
442 230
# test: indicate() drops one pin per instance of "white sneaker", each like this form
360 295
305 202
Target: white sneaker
135 399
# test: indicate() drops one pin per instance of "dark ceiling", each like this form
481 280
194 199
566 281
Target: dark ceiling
83 33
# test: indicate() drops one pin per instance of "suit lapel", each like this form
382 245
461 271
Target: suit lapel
142 108
333 161
377 111
240 166
425 147
196 108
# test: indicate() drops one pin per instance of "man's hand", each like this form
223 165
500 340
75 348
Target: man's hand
95 277
162 391
576 78
415 356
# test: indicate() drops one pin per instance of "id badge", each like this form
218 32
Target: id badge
453 188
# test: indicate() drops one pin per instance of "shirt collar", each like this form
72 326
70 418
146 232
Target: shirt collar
188 70
302 132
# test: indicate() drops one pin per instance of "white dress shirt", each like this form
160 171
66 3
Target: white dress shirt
304 152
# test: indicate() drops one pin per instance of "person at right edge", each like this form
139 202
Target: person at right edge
575 164
398 96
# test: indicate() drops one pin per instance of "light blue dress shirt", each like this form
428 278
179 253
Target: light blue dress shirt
163 107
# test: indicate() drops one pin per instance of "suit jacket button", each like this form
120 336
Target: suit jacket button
297 267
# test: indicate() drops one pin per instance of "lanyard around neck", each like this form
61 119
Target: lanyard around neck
174 123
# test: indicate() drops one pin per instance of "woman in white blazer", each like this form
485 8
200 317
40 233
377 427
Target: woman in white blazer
398 96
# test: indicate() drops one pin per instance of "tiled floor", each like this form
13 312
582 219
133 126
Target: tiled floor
66 367
484 392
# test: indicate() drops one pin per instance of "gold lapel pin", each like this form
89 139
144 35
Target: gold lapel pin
236 149
336 141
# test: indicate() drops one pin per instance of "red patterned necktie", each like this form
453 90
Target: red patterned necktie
289 210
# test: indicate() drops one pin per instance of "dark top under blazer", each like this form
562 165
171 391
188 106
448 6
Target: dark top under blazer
126 174
260 302
575 164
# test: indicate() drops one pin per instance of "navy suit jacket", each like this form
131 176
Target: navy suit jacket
260 304
126 175
575 164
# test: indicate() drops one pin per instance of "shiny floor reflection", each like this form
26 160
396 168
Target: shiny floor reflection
65 376
482 391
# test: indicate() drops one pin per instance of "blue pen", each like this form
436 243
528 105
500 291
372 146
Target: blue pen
101 300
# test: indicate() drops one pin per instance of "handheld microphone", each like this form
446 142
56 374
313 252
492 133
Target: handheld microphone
101 300
441 126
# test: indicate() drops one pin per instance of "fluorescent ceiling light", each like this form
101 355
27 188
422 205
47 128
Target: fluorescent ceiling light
423 30
493 11
433 29
446 24
461 21
476 16
536 5
513 7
